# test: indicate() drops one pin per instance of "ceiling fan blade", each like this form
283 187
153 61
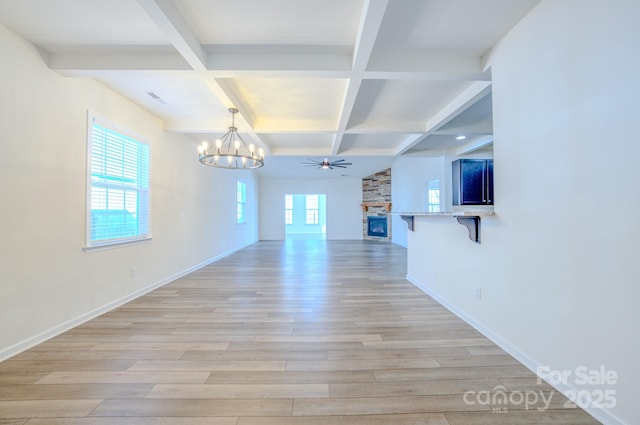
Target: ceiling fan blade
340 163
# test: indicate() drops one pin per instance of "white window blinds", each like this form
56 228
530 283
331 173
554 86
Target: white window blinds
118 192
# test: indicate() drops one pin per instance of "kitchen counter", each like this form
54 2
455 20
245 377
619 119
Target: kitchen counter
468 218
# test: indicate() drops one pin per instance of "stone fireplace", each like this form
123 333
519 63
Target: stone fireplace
376 206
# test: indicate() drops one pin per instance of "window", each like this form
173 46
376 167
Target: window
241 202
433 196
288 209
311 206
118 185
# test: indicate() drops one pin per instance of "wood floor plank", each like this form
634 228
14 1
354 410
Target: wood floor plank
218 365
287 333
47 408
530 417
119 420
13 421
443 373
382 405
230 391
73 391
255 354
193 408
78 355
66 365
17 377
395 389
126 377
400 419
361 364
303 377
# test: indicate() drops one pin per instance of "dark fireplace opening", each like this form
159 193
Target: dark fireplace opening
377 226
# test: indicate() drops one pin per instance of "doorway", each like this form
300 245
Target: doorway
305 216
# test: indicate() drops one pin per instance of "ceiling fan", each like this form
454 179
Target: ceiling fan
326 164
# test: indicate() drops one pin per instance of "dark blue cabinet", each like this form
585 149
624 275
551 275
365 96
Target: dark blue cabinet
472 182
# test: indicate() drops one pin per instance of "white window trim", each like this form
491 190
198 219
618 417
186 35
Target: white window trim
113 243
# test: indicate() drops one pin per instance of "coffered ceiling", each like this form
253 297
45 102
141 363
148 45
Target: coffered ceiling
362 80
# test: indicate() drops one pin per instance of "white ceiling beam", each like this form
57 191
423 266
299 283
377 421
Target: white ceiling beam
178 32
428 74
468 97
405 127
419 61
412 140
240 66
370 21
276 57
117 61
475 145
173 25
465 99
244 119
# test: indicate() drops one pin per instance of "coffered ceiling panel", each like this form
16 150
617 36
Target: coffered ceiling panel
312 143
285 22
290 104
368 80
401 104
449 28
55 24
374 144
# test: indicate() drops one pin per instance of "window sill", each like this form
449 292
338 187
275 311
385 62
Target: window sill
112 245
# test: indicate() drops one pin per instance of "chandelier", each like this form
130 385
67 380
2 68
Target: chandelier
230 151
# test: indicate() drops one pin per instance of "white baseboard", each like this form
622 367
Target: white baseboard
602 415
70 324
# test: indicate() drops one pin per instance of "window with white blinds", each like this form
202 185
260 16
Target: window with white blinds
118 185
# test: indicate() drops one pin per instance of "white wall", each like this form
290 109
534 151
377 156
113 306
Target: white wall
344 213
558 265
409 179
47 282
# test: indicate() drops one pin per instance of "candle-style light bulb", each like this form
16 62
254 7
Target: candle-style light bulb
218 146
261 151
251 148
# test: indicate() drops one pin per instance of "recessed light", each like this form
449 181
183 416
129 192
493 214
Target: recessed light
461 137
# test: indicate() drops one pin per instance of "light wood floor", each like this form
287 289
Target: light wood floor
286 333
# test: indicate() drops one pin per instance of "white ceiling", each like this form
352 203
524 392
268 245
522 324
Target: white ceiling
365 81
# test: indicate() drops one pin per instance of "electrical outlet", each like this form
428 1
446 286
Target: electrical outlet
132 272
